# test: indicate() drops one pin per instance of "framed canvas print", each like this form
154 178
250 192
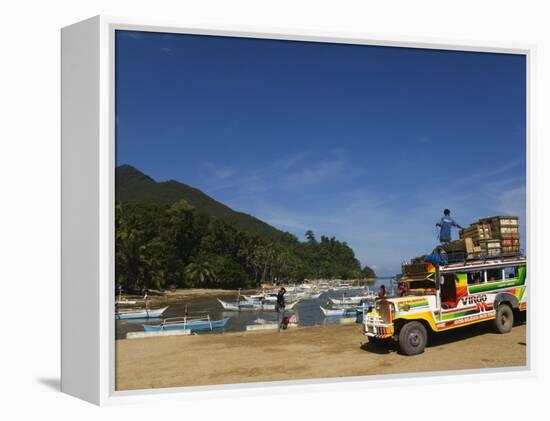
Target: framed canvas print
256 209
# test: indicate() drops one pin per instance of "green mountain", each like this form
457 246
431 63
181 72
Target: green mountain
133 186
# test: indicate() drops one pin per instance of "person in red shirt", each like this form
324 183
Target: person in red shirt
382 291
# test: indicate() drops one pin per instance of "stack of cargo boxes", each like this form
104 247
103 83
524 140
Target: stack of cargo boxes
495 236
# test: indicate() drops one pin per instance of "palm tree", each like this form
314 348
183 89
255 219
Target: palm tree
199 271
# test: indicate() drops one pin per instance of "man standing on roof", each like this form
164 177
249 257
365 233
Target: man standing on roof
445 226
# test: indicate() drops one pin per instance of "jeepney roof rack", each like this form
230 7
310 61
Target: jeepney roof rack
417 268
459 259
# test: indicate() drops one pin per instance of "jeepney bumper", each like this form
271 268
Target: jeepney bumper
374 327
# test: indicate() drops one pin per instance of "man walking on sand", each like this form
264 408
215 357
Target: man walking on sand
445 226
280 307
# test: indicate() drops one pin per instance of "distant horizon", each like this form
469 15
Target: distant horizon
364 143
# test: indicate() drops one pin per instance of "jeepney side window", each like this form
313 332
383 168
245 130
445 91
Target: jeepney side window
494 275
511 272
475 278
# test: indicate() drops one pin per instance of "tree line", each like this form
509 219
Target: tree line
159 246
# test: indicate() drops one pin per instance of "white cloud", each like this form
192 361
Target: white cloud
337 165
218 172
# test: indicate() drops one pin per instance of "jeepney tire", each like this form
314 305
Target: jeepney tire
504 319
413 338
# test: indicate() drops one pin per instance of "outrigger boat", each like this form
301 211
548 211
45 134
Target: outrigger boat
354 300
339 312
191 323
267 305
124 301
144 313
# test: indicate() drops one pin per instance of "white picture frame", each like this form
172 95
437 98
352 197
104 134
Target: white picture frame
88 353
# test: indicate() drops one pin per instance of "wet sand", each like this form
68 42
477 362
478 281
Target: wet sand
304 353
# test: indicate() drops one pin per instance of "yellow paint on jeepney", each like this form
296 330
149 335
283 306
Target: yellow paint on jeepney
481 317
427 316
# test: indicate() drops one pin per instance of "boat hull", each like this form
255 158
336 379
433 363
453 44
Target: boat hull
140 314
191 325
253 306
338 312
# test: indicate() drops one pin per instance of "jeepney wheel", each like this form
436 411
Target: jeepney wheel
504 319
413 338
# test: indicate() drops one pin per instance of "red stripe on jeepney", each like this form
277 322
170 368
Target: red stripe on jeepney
454 310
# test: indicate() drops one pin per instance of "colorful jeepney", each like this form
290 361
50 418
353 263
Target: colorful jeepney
440 297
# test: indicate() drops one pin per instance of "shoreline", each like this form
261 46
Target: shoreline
304 353
158 298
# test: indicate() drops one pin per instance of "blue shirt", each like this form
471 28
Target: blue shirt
446 224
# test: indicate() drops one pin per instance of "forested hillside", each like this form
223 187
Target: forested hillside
163 241
134 186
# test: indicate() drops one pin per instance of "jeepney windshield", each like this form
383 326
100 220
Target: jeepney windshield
417 279
408 286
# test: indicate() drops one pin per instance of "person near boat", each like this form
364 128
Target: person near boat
382 291
445 226
280 307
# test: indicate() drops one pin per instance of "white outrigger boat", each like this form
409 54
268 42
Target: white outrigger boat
266 305
144 313
125 301
187 323
358 299
339 312
346 310
315 294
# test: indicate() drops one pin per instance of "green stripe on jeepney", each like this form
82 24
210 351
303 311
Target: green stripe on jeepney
520 280
413 305
474 289
522 271
419 304
460 314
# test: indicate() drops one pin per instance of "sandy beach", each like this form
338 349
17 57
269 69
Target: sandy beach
303 353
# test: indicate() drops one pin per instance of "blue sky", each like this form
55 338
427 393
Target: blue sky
367 144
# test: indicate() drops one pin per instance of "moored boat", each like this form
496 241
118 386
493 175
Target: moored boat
339 312
125 302
229 306
190 323
370 297
266 305
144 313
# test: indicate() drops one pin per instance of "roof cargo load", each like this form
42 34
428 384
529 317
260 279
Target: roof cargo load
494 236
